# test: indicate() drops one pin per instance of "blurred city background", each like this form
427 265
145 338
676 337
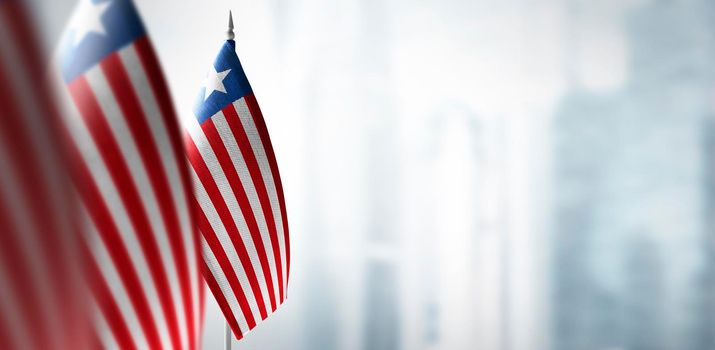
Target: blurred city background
475 174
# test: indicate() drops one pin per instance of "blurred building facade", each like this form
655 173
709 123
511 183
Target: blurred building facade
631 232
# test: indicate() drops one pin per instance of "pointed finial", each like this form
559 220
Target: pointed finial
230 32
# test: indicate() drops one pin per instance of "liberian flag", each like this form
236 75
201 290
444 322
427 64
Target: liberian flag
131 176
41 300
241 212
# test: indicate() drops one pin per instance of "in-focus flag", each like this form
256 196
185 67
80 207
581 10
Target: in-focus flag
241 211
131 175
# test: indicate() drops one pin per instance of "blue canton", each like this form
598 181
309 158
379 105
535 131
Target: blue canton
236 84
122 27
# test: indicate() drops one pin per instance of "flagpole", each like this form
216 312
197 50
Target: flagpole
227 328
227 338
230 34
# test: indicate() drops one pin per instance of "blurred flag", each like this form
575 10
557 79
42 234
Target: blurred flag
238 190
40 287
132 178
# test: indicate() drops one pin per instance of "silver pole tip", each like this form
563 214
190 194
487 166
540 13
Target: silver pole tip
230 34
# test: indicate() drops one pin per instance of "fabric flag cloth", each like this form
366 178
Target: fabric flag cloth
241 211
132 178
40 285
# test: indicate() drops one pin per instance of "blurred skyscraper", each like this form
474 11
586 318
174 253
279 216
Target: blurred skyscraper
630 218
705 303
582 307
382 314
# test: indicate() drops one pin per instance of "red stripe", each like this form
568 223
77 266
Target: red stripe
14 16
106 302
225 264
19 273
151 66
102 218
122 88
202 303
236 238
244 144
5 338
255 111
221 300
239 192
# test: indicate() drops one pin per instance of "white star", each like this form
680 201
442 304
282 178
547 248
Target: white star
214 82
88 19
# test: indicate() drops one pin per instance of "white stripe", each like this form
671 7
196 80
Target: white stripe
149 104
109 272
110 195
140 176
254 137
229 198
224 130
222 282
219 229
